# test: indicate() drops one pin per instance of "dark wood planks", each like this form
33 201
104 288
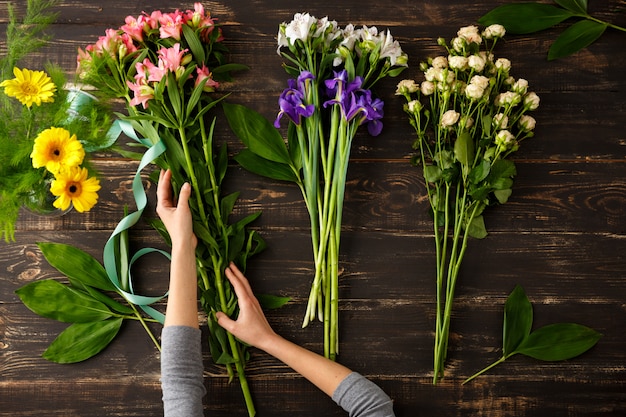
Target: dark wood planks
561 236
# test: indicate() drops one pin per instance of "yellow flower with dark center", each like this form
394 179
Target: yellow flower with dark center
72 186
30 87
56 149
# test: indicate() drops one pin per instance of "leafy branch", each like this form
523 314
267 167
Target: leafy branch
554 342
524 18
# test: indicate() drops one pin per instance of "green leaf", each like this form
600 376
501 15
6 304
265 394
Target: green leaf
480 172
51 299
227 204
576 6
476 228
560 341
271 302
503 195
173 93
259 135
432 173
264 167
576 37
518 320
77 265
194 43
522 18
81 341
464 149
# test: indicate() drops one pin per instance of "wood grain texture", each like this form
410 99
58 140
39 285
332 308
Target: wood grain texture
562 236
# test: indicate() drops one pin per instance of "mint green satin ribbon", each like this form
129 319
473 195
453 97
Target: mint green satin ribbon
141 200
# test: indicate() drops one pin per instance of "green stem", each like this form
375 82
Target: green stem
499 361
145 326
611 25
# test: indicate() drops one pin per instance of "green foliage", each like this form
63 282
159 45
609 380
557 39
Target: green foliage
554 342
525 18
84 301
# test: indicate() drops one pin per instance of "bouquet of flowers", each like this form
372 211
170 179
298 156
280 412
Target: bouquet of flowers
163 65
470 116
46 130
328 98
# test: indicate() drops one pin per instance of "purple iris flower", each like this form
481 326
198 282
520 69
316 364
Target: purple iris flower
292 100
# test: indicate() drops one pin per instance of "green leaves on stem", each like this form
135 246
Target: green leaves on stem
84 301
524 18
554 342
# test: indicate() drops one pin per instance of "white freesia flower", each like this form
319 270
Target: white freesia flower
476 62
407 87
457 62
470 34
494 31
449 118
527 123
531 101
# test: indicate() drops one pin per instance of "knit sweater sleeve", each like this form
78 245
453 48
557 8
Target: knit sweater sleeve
181 372
360 397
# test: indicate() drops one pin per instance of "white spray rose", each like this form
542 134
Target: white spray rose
474 91
440 62
531 101
505 139
509 98
407 87
494 31
480 80
427 88
449 118
470 34
457 62
476 62
500 121
414 106
520 86
503 64
527 123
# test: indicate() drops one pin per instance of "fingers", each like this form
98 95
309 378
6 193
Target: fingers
224 321
164 188
236 277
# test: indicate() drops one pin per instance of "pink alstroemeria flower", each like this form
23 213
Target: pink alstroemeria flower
204 73
171 25
134 28
170 59
141 93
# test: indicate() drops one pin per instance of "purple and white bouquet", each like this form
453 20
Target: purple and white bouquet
328 98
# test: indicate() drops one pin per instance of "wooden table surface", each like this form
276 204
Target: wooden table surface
562 236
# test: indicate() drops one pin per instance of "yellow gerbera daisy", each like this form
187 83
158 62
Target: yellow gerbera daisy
72 186
56 149
30 87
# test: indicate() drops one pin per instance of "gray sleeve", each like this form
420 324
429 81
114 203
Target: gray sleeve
360 397
181 372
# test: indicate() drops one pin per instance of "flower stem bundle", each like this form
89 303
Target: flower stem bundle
164 65
469 115
327 99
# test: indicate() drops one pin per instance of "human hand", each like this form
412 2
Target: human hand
251 326
175 216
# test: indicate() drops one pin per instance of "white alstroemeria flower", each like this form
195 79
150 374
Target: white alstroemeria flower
407 87
480 80
520 86
440 62
476 62
500 121
350 36
503 64
391 49
300 27
457 62
531 101
527 123
470 34
494 31
449 118
474 91
427 88
509 98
